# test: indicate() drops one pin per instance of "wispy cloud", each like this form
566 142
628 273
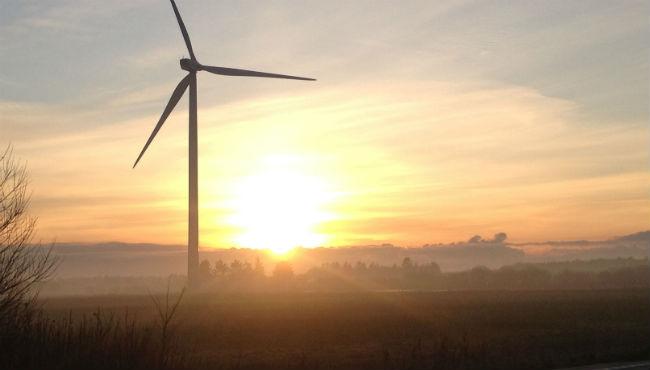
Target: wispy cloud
445 116
428 159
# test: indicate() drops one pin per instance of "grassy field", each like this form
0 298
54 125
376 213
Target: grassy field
394 330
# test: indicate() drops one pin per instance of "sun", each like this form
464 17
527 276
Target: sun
279 208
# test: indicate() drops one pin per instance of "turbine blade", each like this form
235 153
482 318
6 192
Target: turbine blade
186 36
244 72
176 96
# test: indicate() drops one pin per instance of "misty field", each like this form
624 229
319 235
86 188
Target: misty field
388 330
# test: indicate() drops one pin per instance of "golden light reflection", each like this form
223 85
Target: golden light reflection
279 207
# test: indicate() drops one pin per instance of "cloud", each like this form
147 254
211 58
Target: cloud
423 162
71 17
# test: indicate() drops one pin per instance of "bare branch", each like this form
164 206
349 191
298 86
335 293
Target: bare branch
23 265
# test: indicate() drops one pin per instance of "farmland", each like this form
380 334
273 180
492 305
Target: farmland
392 330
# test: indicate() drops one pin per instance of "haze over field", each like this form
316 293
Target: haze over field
428 120
120 259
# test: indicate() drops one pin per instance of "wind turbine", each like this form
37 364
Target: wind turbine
192 66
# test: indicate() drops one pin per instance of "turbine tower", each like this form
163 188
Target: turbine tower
192 66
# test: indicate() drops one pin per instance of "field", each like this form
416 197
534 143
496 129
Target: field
393 330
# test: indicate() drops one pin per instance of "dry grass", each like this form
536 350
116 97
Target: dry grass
444 330
101 339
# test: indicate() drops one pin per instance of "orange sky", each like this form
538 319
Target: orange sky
425 147
433 162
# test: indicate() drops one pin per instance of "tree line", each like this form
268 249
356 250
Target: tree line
242 275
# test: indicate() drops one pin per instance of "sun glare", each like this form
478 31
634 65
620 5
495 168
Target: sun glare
279 208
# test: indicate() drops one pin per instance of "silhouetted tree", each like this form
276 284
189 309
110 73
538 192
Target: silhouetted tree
236 265
22 265
259 267
433 268
220 268
283 271
205 271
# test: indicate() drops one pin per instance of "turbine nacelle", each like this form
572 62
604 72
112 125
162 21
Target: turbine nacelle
190 65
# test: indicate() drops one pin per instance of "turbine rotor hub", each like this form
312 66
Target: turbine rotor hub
190 65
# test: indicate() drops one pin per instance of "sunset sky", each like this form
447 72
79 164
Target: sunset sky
430 121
